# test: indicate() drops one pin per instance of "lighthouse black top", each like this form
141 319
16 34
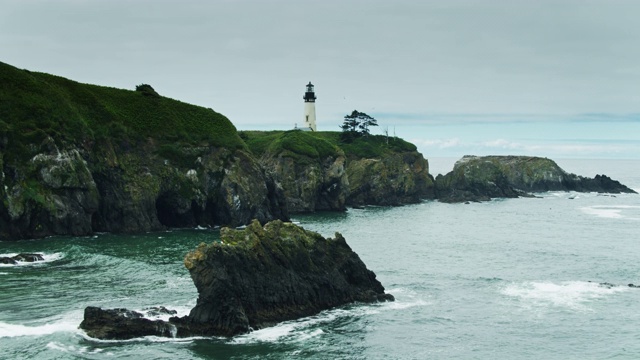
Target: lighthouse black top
309 96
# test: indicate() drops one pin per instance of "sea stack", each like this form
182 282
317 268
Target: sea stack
259 276
254 278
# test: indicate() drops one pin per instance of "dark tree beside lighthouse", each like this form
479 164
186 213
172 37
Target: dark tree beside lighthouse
356 124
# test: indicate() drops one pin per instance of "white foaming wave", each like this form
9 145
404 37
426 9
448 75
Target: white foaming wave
47 259
613 211
181 310
305 328
294 330
18 330
147 339
570 294
74 349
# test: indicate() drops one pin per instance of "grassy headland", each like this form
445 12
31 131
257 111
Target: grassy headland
321 144
35 106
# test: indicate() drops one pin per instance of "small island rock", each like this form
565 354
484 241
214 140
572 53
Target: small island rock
481 178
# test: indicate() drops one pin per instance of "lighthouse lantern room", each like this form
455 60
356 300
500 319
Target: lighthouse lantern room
310 107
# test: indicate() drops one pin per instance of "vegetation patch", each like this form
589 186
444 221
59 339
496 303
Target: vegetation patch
36 106
319 144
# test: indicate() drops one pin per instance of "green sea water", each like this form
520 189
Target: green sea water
506 279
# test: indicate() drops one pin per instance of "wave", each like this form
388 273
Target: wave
147 339
69 323
47 259
309 327
75 349
151 313
631 212
569 294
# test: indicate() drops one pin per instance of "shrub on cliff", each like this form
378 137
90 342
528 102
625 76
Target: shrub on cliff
147 90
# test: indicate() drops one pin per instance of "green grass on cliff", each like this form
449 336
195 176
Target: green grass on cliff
290 143
36 105
322 144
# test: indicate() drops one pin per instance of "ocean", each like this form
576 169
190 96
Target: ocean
529 278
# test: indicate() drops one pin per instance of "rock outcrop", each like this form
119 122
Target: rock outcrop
480 178
123 324
394 179
254 278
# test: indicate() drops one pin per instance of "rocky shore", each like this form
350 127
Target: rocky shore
251 279
481 178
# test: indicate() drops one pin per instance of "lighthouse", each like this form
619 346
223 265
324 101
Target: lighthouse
310 108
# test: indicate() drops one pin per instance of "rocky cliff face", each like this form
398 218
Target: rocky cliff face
476 178
320 171
254 278
54 193
310 184
77 158
62 192
395 179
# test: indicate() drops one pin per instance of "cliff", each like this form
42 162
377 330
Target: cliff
392 179
251 279
310 170
480 178
320 171
78 158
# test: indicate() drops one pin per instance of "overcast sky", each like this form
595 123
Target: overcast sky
550 78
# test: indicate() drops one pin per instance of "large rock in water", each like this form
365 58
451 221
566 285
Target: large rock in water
480 178
259 276
254 278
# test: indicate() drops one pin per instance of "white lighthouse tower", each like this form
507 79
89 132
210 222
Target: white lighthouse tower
310 108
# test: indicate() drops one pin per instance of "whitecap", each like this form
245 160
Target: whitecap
569 294
17 330
181 310
47 259
147 339
613 211
306 328
73 349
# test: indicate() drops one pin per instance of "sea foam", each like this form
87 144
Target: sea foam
309 327
631 212
47 259
16 330
569 294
